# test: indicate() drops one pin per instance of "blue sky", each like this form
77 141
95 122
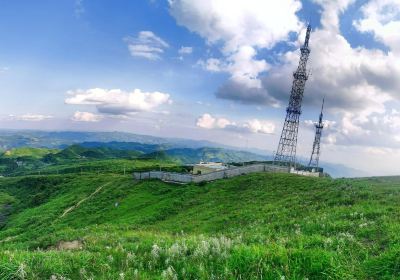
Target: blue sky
214 70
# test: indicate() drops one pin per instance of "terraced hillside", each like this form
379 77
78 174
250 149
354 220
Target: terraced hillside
259 226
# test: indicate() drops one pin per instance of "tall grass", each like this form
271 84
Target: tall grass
259 226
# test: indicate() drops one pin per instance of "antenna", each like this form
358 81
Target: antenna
286 152
307 36
314 160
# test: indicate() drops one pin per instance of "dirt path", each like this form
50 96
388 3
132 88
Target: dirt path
66 211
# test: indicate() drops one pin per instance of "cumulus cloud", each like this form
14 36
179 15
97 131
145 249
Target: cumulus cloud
208 121
147 45
86 117
212 65
118 102
332 10
242 27
238 23
185 50
360 84
382 19
30 117
378 130
236 91
328 124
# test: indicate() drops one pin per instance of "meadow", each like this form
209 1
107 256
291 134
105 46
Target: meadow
259 226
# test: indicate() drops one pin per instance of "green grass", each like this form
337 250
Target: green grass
94 166
35 153
259 226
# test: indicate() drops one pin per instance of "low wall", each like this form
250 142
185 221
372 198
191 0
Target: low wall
306 173
226 173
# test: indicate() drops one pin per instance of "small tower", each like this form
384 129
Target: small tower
286 152
314 160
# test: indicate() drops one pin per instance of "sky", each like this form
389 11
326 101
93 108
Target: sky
216 70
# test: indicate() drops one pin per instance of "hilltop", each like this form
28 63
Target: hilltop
259 226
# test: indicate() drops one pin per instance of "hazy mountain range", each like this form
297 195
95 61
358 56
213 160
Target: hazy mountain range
187 150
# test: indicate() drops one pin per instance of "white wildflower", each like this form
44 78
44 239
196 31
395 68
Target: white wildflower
136 274
177 250
22 271
202 249
328 241
155 251
130 256
297 229
169 274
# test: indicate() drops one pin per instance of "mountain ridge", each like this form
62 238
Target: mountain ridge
62 139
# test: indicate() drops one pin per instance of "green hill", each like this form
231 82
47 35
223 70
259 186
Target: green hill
183 154
34 153
100 157
78 152
259 226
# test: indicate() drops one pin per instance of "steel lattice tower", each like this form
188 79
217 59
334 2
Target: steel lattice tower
314 160
286 152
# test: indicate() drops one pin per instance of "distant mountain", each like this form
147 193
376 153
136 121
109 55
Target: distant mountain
61 139
196 150
187 155
127 146
78 152
340 170
184 155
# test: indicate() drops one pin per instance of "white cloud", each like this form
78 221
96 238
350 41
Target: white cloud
118 102
212 65
382 18
208 121
258 126
30 117
185 50
379 130
332 10
86 117
238 23
146 45
359 83
242 27
328 124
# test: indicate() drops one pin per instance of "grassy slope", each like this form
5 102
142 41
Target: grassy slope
35 153
255 226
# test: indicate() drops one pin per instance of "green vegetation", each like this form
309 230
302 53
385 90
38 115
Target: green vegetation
115 157
259 226
35 153
78 159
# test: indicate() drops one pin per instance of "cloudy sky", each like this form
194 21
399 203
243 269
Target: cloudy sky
219 70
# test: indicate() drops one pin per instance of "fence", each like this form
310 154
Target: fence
226 173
